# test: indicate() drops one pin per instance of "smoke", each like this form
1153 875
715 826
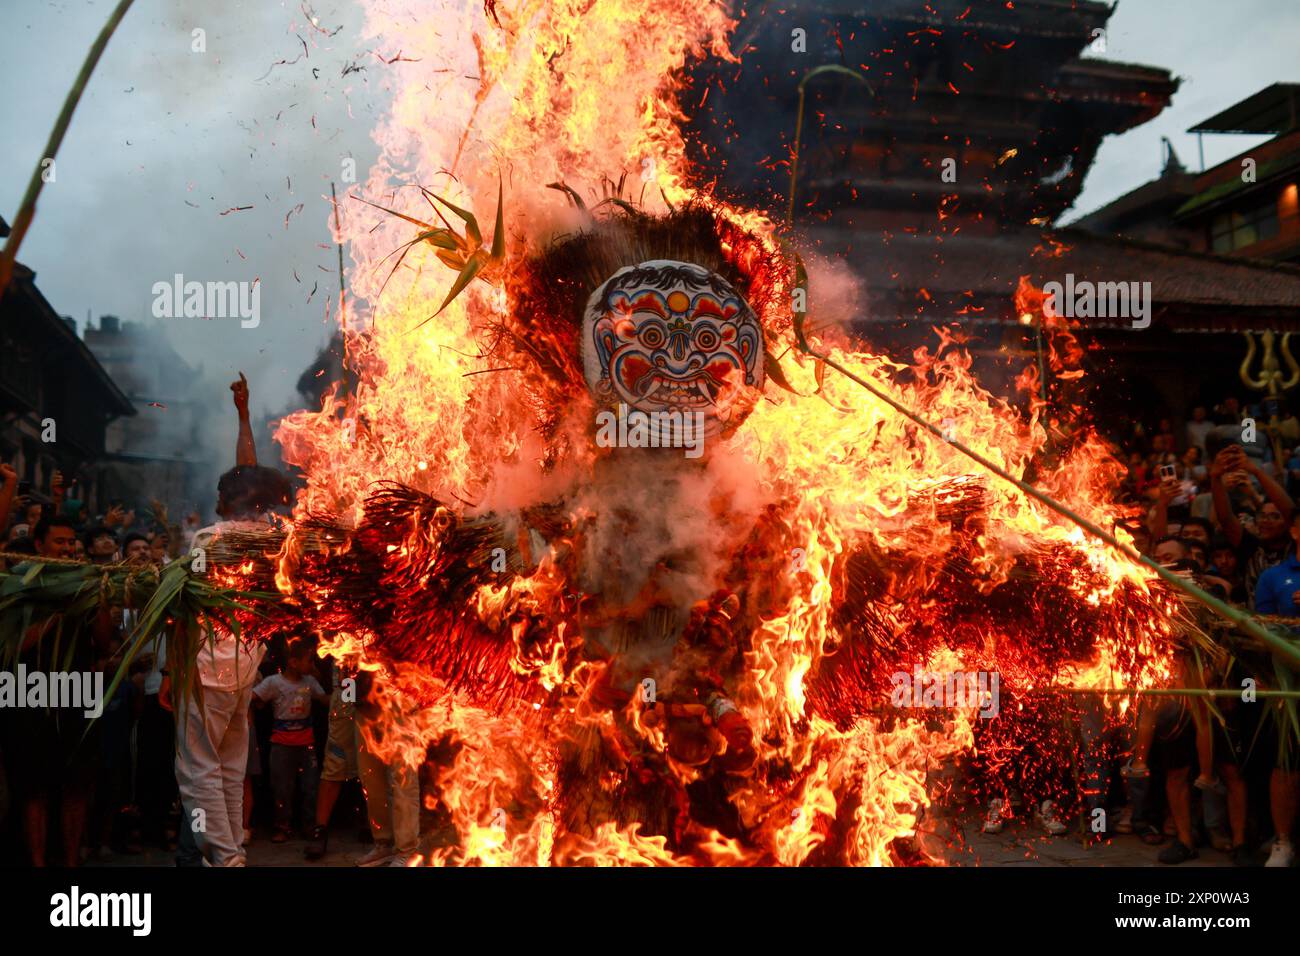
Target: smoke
655 532
836 294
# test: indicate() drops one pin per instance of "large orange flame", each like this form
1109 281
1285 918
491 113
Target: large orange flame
530 92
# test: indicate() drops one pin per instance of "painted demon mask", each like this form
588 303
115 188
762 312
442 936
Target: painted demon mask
668 336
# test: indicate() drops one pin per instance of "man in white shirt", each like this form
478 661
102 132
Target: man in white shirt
212 733
212 746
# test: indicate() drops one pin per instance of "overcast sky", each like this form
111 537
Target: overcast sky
1222 52
166 140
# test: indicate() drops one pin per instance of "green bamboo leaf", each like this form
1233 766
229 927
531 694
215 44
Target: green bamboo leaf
471 224
64 600
442 238
472 268
499 231
399 215
570 192
835 68
27 210
772 369
623 204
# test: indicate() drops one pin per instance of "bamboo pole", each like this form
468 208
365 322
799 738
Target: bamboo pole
349 381
338 231
1240 619
798 123
1165 692
28 208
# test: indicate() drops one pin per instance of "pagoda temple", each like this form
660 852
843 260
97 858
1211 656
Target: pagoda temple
939 143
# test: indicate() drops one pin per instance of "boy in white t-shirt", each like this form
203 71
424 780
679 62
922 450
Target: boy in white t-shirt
293 744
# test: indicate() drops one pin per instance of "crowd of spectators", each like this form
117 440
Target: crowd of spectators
1217 506
183 771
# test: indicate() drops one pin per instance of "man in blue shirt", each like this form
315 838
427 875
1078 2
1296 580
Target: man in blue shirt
1276 593
1279 586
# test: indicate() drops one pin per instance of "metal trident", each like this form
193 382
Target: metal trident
1270 380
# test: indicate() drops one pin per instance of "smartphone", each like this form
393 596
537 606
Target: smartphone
1168 472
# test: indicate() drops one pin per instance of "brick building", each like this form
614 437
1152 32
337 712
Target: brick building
51 387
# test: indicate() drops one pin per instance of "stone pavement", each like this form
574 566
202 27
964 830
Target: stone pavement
1021 843
344 848
1025 844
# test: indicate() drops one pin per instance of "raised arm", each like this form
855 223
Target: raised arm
1229 459
1272 490
245 450
1158 522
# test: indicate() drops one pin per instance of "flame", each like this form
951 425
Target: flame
519 94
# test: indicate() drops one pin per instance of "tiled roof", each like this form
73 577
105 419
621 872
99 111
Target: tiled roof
922 275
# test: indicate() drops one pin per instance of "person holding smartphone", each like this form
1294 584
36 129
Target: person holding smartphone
1170 492
1269 542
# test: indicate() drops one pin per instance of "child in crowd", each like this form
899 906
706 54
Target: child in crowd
293 747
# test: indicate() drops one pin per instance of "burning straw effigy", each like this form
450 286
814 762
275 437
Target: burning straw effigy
626 654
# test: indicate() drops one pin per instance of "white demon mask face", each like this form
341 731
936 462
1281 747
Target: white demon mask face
668 336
